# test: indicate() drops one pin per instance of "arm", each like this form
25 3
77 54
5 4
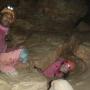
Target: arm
59 74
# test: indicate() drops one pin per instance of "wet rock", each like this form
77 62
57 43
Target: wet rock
25 81
83 51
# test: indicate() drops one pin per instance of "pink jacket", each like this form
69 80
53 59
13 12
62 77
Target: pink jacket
53 69
12 57
3 33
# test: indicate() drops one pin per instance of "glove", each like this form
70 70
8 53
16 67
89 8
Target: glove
24 56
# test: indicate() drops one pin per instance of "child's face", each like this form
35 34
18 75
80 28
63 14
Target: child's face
6 20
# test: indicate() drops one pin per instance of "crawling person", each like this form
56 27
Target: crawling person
60 68
11 59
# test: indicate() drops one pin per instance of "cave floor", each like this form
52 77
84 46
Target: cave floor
41 44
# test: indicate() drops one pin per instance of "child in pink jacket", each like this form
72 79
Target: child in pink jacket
8 60
59 68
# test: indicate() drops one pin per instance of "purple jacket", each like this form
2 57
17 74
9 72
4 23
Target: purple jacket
54 69
3 33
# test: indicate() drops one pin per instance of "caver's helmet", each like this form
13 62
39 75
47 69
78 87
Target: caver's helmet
9 11
68 66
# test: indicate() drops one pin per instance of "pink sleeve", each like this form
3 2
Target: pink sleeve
59 74
7 30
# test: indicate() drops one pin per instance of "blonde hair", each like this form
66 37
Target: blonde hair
10 12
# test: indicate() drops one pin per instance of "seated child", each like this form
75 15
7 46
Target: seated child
10 59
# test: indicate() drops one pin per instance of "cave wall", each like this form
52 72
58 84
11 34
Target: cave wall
48 15
55 15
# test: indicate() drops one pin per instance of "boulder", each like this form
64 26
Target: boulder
25 81
60 84
83 51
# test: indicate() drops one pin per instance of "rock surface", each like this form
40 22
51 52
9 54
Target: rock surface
25 81
45 48
83 51
60 84
82 27
55 15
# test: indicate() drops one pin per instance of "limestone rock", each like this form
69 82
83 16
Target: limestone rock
26 81
83 51
44 49
55 15
60 84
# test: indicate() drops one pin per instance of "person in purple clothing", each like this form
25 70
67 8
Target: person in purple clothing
7 18
9 60
59 68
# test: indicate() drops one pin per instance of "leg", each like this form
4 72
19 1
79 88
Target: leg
8 70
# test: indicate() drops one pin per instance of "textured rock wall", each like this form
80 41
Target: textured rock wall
46 15
55 15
